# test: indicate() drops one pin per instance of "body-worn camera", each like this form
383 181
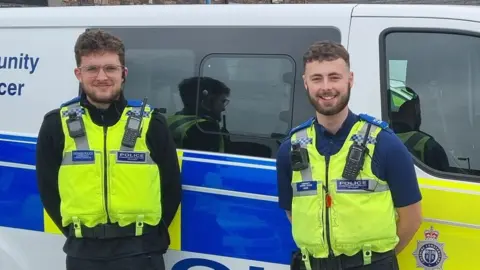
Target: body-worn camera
75 125
299 157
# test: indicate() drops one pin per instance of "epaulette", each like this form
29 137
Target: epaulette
303 125
374 121
134 103
71 101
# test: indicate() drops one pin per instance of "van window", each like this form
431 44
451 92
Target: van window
263 80
258 91
434 97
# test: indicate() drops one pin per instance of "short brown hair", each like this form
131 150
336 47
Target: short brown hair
98 41
326 51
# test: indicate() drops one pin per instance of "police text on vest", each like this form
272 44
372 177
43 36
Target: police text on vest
137 157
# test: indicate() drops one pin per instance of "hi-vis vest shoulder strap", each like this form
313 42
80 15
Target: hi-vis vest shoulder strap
332 214
101 181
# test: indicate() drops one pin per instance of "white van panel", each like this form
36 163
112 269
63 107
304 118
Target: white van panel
178 15
36 68
455 12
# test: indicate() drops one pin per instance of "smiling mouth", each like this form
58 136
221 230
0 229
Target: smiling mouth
327 97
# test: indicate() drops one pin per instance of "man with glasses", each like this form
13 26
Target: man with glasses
107 168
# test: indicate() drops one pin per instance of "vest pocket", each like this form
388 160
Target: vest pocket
134 185
307 215
80 182
363 217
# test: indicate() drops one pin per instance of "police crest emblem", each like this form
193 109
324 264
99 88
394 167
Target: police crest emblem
429 253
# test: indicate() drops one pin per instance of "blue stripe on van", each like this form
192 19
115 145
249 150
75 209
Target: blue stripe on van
241 179
235 227
20 205
17 152
18 138
245 160
211 223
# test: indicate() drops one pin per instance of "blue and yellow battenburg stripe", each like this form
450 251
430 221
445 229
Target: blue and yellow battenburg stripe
229 208
228 203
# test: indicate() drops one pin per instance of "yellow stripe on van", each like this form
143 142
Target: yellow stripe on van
450 200
48 224
457 243
175 228
449 209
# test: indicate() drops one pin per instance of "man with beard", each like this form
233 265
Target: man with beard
113 196
343 178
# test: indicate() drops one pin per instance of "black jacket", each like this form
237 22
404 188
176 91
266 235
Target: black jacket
163 151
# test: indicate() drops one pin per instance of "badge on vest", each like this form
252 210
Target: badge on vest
131 157
83 155
305 188
351 185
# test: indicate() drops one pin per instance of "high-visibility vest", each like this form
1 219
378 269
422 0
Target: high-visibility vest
361 215
415 141
101 180
179 125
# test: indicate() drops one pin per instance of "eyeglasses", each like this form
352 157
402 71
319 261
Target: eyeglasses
109 70
225 102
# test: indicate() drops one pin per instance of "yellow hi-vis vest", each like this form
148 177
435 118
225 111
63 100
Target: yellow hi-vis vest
101 180
415 141
361 216
179 125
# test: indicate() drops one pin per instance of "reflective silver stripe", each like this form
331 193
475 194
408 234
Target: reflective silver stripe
68 160
133 157
134 111
297 193
307 173
373 186
81 142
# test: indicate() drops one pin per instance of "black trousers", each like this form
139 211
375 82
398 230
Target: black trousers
151 261
388 263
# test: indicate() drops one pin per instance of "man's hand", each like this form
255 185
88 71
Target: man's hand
409 220
289 215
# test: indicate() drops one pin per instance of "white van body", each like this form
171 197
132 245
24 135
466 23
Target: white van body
36 76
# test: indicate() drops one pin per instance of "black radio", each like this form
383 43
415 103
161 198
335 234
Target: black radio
133 127
356 158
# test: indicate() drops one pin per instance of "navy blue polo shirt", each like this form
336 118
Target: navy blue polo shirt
392 163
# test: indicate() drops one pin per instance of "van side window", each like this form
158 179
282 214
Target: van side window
258 92
434 97
235 90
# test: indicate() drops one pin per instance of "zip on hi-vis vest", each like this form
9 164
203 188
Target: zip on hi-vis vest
352 165
77 131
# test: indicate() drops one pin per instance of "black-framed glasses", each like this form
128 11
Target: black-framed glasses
109 70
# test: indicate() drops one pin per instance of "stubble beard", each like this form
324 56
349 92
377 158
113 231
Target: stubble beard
330 111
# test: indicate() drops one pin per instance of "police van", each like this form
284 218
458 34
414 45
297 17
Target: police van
229 218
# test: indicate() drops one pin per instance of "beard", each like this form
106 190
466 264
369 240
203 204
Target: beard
102 99
333 110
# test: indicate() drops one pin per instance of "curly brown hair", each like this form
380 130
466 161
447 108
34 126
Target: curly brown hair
326 51
98 41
